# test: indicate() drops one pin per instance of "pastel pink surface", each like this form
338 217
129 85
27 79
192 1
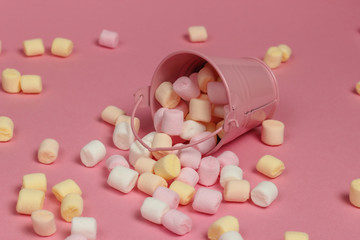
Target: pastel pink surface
316 94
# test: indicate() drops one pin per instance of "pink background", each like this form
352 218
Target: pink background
318 105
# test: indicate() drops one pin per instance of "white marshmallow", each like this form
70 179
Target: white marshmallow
230 172
153 209
191 128
264 193
123 136
85 226
92 153
232 235
137 150
149 137
123 179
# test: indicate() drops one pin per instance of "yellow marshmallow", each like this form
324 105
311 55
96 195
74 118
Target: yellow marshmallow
354 194
34 47
168 167
11 80
197 34
111 113
6 128
144 164
286 52
290 235
357 87
148 182
71 206
48 151
124 118
31 83
62 47
29 200
185 191
65 187
43 222
273 57
166 95
270 166
35 181
161 140
222 225
236 191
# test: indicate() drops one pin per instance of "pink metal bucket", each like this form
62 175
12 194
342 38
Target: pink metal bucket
251 88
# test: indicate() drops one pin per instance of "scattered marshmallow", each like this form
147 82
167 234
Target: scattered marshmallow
270 166
29 200
85 226
168 167
357 87
232 235
166 95
189 176
208 171
292 235
228 158
237 191
177 222
264 194
185 191
123 136
161 140
48 151
273 57
207 200
123 179
191 128
206 145
62 47
111 113
221 226
149 182
172 122
230 172
197 34
116 160
144 164
286 52
43 222
153 209
200 110
31 84
34 47
272 132
71 206
190 157
217 93
109 39
61 189
186 88
11 80
354 193
35 181
92 153
167 195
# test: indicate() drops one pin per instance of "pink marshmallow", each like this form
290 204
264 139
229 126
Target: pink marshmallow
183 106
109 39
76 237
167 195
190 157
172 122
208 171
193 77
186 88
217 93
205 146
228 158
177 222
189 176
207 200
116 160
158 116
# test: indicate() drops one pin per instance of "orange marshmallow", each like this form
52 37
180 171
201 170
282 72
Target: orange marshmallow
166 95
144 164
161 140
111 113
272 132
148 182
206 74
236 191
124 118
48 151
200 110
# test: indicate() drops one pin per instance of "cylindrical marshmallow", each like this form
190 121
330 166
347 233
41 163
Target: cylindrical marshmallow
123 136
264 194
357 87
354 193
29 200
172 122
206 75
161 140
200 110
206 145
109 39
217 93
186 192
167 195
272 132
31 84
168 167
124 118
148 182
292 235
273 57
218 111
286 52
186 88
207 200
48 151
145 164
237 191
11 80
61 189
197 34
62 47
6 128
92 153
122 178
71 206
35 181
177 222
232 235
228 158
191 128
230 172
34 47
76 236
137 150
116 160
189 176
166 95
208 171
85 226
270 166
153 209
158 117
221 226
43 222
111 113
190 157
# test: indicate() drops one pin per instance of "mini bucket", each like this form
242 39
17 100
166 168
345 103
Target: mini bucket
251 88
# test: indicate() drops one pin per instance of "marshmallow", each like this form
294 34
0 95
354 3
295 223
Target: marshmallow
191 128
123 136
161 140
34 47
149 182
61 189
185 191
62 47
206 145
222 132
153 209
218 111
111 113
357 87
354 193
230 172
291 235
48 151
92 153
200 110
29 200
186 88
145 164
272 132
158 117
270 166
166 95
207 200
116 160
189 176
206 74
168 167
31 83
109 39
273 57
0 46
6 128
236 191
122 179
217 93
182 106
210 127
177 222
221 226
197 34
11 80
137 150
43 222
190 157
149 137
264 194
286 52
35 181
124 118
167 195
172 122
71 206
228 158
208 171
85 226
76 237
232 235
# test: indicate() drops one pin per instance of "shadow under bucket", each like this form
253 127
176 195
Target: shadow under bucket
251 88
